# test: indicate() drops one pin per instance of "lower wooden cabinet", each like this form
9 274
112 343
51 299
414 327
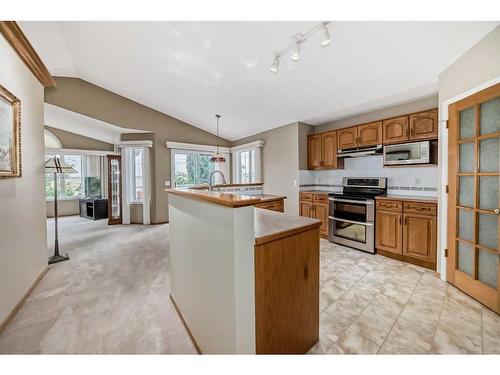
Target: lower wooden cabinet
405 235
273 206
419 237
315 205
388 231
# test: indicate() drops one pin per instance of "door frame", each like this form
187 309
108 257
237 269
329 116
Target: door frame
443 172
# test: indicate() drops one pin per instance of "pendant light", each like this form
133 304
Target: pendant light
217 157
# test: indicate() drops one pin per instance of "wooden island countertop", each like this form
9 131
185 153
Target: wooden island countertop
226 199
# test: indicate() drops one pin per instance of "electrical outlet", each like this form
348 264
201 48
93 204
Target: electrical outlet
167 184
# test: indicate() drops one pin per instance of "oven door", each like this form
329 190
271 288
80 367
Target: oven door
357 234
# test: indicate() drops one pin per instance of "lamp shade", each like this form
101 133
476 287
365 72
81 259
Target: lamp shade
56 165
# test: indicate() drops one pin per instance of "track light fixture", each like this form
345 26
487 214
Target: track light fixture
298 39
276 64
325 35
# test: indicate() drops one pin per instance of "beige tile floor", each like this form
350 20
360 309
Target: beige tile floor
372 304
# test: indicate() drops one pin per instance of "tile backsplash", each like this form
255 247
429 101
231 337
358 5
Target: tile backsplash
400 180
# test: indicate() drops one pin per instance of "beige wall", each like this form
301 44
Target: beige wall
23 232
280 163
93 101
79 142
397 110
478 65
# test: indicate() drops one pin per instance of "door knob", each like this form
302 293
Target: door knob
497 211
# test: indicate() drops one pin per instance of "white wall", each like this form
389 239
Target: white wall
23 237
421 181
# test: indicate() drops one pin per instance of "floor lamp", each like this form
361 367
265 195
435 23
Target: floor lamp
55 165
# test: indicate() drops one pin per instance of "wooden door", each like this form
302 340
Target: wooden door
473 201
305 209
314 157
370 134
419 237
321 213
114 189
347 138
329 148
396 130
388 231
424 125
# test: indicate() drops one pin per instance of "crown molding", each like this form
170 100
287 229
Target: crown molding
16 38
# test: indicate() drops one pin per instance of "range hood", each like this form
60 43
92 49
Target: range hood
360 151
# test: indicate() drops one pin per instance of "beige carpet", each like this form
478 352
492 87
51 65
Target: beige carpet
111 297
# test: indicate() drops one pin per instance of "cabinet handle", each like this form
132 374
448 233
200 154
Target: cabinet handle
412 132
407 132
400 220
306 272
406 220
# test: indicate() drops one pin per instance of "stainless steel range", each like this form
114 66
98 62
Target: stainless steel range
352 212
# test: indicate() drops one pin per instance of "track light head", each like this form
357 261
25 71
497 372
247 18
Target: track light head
325 35
276 64
296 52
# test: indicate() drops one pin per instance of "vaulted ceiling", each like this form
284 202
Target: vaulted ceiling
192 70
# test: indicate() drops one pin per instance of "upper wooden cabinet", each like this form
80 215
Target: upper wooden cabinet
329 145
322 151
370 134
347 138
314 151
424 125
360 136
396 130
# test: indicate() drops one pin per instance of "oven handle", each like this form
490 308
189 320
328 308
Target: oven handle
349 201
367 224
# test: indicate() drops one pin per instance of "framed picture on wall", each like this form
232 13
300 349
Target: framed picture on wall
10 134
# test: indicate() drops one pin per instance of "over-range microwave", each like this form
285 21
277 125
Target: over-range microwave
408 153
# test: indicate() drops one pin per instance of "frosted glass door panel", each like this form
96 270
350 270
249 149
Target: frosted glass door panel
467 128
465 258
488 268
490 117
466 157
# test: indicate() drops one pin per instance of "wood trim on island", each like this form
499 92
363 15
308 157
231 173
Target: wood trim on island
20 43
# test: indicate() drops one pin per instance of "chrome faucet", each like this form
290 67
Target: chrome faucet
210 179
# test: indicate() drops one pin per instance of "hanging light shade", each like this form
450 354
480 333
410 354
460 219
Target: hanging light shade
217 157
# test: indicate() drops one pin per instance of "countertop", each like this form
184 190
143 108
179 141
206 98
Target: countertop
319 191
409 198
271 225
225 199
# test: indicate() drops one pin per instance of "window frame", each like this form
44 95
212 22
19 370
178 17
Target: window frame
255 162
61 187
133 186
217 166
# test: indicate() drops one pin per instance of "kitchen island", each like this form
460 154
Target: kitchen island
244 280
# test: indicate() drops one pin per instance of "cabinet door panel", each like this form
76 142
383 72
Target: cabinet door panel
396 130
321 213
329 144
419 237
424 125
347 138
314 151
305 209
370 134
388 231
